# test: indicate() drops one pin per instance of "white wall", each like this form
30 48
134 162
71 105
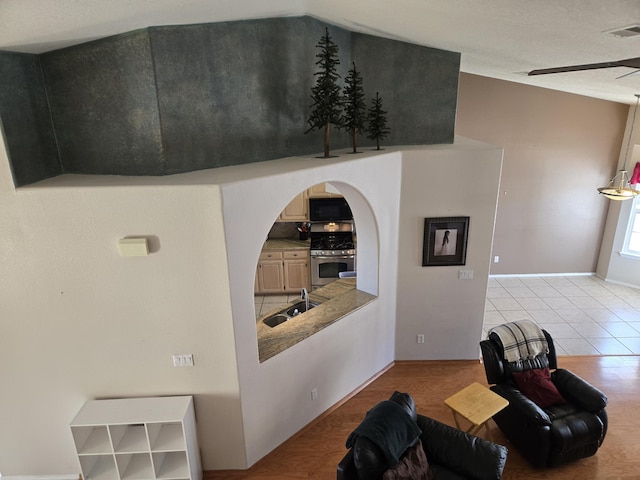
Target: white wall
80 322
345 354
460 180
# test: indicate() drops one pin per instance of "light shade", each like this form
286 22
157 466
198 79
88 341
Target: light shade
621 191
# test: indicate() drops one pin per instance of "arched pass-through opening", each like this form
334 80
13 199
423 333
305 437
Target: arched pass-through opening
283 317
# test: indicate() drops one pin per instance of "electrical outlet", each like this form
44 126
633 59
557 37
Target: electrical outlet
183 360
314 394
496 259
420 339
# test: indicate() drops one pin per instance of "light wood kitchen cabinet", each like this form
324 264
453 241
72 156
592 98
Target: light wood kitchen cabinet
270 273
323 190
296 271
285 271
297 210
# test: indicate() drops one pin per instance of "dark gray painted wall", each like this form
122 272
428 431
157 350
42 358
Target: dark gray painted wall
180 98
24 115
104 106
238 92
418 86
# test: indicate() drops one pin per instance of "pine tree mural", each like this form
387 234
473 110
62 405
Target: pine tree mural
327 108
377 129
354 109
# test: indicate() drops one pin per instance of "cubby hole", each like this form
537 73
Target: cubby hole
98 467
171 465
91 440
166 437
129 438
134 466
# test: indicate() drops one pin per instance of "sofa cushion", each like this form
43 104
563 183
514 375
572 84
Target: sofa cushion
456 455
412 466
536 384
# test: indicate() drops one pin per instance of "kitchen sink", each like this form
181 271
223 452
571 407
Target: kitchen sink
275 320
299 308
288 314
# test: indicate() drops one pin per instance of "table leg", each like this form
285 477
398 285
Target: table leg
473 429
455 418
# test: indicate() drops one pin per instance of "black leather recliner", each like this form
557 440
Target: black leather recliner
451 453
550 436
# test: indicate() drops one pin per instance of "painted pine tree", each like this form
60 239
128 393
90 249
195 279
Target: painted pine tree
377 129
327 102
354 108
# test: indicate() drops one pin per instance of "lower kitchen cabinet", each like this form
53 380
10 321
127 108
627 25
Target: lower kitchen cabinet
270 273
285 271
296 271
138 438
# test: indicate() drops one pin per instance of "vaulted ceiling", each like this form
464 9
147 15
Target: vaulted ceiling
497 38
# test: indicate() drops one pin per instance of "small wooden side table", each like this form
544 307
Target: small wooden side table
476 404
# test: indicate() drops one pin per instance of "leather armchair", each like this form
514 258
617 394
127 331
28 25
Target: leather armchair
451 454
550 436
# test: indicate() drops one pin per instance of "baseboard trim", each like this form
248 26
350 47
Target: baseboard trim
41 477
623 284
574 274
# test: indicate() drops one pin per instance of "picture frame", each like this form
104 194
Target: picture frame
445 241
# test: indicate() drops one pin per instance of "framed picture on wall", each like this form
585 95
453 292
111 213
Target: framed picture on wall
445 241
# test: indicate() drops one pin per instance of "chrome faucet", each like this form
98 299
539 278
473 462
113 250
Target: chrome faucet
304 295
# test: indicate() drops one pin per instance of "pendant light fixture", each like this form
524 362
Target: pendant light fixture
618 187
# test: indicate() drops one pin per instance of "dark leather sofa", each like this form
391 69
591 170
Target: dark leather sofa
451 454
554 435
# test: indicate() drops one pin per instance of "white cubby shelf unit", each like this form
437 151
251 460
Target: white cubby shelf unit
138 439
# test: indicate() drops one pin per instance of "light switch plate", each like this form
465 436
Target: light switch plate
183 360
465 274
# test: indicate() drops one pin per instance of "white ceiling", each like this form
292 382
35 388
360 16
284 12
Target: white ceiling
497 38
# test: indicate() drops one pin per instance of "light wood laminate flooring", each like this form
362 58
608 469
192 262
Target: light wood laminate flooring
315 451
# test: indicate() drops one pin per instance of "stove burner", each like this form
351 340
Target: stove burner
332 239
331 242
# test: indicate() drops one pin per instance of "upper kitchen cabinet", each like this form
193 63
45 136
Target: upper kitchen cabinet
323 190
297 210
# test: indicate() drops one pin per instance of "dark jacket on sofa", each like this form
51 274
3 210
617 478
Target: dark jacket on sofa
451 454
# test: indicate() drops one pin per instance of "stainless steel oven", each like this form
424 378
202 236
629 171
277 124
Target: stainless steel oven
332 251
326 268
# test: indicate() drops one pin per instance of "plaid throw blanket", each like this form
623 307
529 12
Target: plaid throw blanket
521 340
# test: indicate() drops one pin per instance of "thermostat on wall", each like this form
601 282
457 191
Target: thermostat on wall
133 247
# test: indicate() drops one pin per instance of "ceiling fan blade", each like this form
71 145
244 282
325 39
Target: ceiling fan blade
627 62
630 62
575 68
628 74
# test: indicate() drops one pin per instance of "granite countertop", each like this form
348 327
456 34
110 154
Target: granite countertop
286 244
335 301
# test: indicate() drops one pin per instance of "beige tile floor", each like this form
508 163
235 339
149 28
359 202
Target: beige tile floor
583 314
266 303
